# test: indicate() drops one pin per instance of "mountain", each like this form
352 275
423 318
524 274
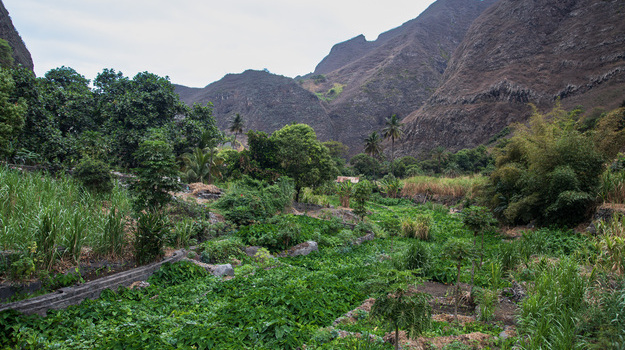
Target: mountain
21 55
519 52
266 101
357 86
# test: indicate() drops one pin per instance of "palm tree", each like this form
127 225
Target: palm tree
393 131
236 125
440 155
372 144
201 165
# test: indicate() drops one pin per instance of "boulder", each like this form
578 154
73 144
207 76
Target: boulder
303 248
223 270
251 251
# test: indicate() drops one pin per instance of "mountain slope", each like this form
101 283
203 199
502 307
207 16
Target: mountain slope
266 101
21 55
520 52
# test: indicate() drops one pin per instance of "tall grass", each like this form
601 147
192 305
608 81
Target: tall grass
612 187
464 186
550 315
53 212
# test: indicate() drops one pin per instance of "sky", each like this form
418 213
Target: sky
196 42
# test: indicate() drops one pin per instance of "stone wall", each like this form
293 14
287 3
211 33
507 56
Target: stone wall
65 297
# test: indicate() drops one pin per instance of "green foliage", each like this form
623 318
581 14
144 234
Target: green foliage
548 172
221 251
373 145
249 200
418 257
283 231
365 164
6 55
302 157
402 311
418 228
393 130
611 243
177 273
550 312
391 186
156 176
95 175
12 111
152 228
345 190
332 93
202 165
362 193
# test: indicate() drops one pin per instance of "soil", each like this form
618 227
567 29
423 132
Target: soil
442 310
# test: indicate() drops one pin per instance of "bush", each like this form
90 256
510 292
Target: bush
179 272
221 251
418 228
251 201
94 175
549 171
149 237
419 257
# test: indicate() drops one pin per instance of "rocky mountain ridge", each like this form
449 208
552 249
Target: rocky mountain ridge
21 55
521 52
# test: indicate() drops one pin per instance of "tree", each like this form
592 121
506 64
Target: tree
440 155
393 130
365 164
401 309
362 193
202 165
373 146
12 111
156 176
302 157
337 149
458 250
6 55
236 125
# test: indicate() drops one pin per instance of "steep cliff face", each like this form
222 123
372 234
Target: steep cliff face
266 101
21 55
396 73
519 52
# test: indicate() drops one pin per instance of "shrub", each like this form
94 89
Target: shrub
549 171
113 239
391 186
149 237
179 272
251 201
418 228
221 251
94 175
362 193
611 243
418 257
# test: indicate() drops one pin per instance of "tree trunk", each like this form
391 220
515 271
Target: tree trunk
457 294
396 337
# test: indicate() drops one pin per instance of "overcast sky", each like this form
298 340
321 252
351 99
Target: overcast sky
196 42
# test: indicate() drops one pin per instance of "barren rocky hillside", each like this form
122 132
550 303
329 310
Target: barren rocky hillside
520 52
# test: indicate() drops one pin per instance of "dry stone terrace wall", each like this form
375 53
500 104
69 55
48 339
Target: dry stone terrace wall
65 297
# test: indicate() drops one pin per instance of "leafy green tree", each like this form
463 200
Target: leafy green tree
94 175
373 145
393 130
337 149
131 107
156 176
302 157
440 155
11 111
236 125
362 193
365 164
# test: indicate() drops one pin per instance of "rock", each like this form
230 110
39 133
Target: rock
139 285
503 335
591 229
303 248
251 251
368 237
223 270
